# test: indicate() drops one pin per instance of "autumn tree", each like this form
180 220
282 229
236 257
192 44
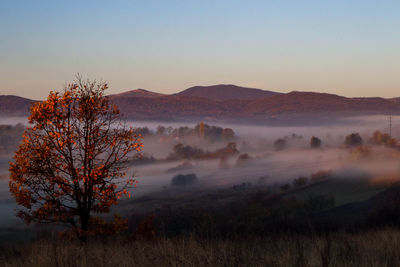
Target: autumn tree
383 139
228 134
72 160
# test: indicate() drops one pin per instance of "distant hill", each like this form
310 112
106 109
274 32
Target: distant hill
139 93
169 107
14 106
247 105
292 108
225 92
320 103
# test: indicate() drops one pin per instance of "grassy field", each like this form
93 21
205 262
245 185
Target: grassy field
372 248
251 226
343 190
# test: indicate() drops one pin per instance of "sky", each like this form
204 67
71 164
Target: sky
348 47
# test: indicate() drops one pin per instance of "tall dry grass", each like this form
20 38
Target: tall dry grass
372 248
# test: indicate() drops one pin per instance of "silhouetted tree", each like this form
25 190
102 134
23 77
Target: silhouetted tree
184 180
315 142
243 159
383 139
280 144
353 139
228 134
161 130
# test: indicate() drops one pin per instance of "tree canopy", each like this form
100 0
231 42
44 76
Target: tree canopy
72 160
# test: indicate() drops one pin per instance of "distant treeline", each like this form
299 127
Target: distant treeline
189 152
210 132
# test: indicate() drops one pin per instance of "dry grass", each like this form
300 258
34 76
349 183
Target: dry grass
373 248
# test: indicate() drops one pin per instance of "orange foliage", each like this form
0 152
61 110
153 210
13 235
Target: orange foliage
383 139
72 160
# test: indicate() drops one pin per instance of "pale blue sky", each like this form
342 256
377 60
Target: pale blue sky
345 47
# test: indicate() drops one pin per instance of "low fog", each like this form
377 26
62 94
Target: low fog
258 161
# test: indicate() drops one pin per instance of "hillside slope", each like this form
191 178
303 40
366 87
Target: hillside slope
290 108
139 93
14 106
225 92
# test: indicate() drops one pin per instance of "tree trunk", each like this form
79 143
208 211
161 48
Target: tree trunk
84 218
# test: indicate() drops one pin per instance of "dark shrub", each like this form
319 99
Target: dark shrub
280 144
353 140
186 152
227 151
184 180
243 159
315 142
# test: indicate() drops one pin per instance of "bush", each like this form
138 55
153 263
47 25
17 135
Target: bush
353 140
229 150
280 144
243 159
184 180
186 152
315 142
383 139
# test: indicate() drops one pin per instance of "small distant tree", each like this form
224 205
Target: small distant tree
353 140
315 142
143 131
72 160
229 150
383 139
186 152
228 134
160 130
280 144
243 160
184 180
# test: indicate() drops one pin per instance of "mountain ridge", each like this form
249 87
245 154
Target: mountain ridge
140 93
226 92
271 107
